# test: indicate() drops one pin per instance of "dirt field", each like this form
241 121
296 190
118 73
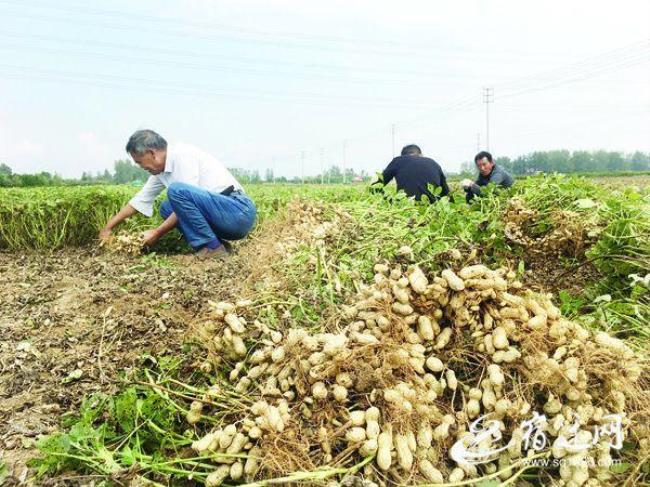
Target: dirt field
621 182
75 322
71 320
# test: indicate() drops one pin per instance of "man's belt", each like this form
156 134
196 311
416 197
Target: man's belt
230 190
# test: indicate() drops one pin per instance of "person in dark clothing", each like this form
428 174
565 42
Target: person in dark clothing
413 173
489 173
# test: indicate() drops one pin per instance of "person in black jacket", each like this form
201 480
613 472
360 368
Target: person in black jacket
413 173
489 173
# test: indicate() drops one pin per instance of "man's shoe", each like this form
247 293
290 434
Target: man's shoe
206 253
228 246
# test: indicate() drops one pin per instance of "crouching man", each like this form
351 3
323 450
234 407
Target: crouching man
204 199
413 174
489 173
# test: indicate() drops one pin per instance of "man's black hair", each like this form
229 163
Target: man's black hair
481 155
411 150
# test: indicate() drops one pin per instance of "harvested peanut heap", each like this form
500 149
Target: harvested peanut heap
414 362
123 243
309 227
571 233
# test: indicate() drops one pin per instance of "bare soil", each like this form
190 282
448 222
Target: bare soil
622 182
70 321
545 275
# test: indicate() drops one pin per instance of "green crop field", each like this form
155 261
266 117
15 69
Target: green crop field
352 337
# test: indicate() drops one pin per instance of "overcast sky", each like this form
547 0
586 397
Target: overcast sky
259 83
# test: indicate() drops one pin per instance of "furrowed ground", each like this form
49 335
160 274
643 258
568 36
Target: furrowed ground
102 352
77 319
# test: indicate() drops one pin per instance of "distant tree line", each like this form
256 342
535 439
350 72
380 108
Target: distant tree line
125 172
8 178
565 161
332 175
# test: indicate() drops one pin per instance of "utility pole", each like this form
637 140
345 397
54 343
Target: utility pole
302 166
392 133
329 172
273 170
478 142
488 97
345 146
322 163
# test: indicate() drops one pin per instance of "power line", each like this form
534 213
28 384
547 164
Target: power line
214 37
575 79
206 58
614 55
208 65
627 62
208 25
141 18
616 59
199 89
636 55
633 54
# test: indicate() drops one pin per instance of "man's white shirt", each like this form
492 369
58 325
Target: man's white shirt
184 164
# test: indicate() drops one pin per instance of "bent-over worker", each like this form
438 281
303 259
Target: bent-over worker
204 199
413 174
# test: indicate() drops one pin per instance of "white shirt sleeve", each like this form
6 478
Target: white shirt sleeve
143 200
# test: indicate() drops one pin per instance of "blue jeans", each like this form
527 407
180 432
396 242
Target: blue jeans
204 217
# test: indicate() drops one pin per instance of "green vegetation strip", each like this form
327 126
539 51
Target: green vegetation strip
50 218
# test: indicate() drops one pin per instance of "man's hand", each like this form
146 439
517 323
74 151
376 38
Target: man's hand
126 211
150 237
376 187
104 234
466 183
